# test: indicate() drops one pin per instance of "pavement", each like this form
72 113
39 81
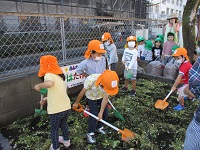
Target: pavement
4 144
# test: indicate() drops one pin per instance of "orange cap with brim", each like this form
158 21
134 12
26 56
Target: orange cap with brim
131 38
49 64
95 45
181 51
109 80
107 36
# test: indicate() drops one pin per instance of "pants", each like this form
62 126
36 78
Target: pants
113 66
166 59
95 106
59 120
192 139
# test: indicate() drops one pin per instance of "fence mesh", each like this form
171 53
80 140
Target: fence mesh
24 38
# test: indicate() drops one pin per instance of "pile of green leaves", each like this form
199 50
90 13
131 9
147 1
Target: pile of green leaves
155 129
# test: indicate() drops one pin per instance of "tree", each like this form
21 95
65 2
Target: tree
188 30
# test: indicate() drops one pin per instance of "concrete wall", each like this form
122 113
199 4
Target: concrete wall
18 99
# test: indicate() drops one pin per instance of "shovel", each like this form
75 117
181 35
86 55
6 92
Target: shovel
116 113
41 111
127 135
162 104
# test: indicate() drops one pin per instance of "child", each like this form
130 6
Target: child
97 88
58 102
147 53
181 57
94 63
129 59
111 49
157 49
192 140
141 44
167 48
160 36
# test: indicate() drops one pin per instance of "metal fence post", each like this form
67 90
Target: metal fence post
62 31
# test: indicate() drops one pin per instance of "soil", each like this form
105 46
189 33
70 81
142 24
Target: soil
155 129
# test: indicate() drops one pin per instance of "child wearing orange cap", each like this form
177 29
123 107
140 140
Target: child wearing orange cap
97 88
111 51
129 59
58 102
94 62
181 57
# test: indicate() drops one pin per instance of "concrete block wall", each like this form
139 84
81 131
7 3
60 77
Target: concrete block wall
18 99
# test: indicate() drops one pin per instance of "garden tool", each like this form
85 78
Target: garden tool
40 111
162 104
128 73
116 113
127 135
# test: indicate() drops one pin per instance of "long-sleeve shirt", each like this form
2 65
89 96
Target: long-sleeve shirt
111 53
167 47
130 58
91 66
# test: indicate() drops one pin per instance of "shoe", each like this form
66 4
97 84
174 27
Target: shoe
132 93
124 89
51 147
109 107
85 114
65 143
179 107
101 130
91 138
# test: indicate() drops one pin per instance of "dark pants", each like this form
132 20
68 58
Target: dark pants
95 106
113 66
59 120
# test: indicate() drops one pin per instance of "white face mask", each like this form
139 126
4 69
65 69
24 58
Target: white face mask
131 44
179 61
97 58
107 43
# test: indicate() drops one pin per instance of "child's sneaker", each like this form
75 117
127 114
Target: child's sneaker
85 114
179 107
187 98
91 138
101 130
65 143
124 89
51 147
132 93
109 107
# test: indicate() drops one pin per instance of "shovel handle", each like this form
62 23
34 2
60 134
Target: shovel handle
168 95
41 106
111 104
108 124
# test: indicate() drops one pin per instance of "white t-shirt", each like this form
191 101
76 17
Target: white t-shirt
140 49
130 58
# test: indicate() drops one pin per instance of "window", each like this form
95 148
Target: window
167 12
164 2
171 11
180 3
180 14
172 1
177 2
168 1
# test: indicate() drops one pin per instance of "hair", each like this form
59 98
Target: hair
93 51
176 20
170 34
61 75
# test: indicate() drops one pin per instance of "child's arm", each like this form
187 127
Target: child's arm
80 96
176 83
45 84
103 105
123 57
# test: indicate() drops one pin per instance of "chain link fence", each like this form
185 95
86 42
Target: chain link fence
24 38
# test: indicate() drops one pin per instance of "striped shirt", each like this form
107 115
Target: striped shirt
91 66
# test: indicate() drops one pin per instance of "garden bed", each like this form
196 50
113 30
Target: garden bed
155 129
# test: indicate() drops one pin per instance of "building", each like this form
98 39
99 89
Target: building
113 8
161 9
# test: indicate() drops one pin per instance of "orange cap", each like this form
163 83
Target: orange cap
131 38
109 80
107 36
181 51
95 45
49 64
